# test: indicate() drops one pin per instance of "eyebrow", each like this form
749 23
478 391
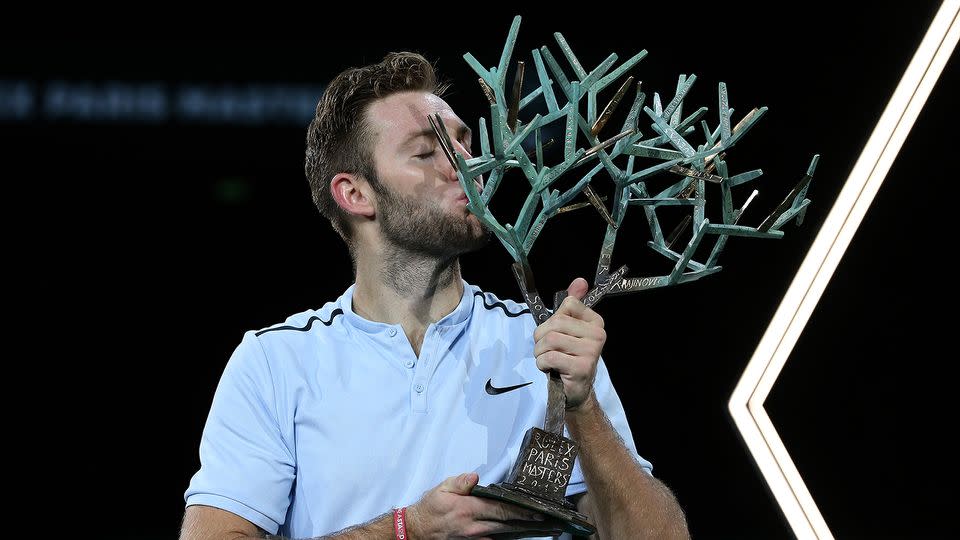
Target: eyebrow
463 131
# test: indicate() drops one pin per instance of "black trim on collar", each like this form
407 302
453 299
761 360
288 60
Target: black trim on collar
309 324
500 305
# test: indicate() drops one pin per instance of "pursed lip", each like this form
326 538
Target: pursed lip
463 194
478 186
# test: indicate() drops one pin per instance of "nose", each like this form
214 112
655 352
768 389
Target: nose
464 150
448 169
460 147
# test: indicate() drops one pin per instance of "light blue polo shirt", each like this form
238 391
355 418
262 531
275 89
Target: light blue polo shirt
328 420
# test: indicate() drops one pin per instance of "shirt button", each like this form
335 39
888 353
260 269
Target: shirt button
409 363
418 388
392 332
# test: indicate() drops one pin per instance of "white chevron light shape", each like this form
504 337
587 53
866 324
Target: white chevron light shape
746 403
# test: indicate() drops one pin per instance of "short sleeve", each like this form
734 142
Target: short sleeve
246 466
610 403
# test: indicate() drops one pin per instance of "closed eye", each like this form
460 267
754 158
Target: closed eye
465 144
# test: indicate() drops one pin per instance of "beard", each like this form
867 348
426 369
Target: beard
424 227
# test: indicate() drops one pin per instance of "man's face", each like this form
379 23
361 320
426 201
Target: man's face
420 204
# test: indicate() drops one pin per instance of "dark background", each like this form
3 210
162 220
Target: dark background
144 248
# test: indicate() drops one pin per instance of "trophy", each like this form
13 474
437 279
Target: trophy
539 477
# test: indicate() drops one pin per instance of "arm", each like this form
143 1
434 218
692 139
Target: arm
211 523
446 511
624 500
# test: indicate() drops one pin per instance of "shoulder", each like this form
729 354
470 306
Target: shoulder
305 327
307 321
284 349
300 334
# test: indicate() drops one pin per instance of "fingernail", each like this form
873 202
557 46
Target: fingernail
539 517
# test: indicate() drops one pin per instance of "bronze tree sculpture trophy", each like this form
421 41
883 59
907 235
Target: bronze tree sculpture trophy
539 477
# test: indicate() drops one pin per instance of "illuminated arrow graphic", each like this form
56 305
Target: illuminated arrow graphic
746 404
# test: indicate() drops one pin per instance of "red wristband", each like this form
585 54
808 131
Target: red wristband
400 522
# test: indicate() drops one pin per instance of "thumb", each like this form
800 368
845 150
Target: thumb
462 484
578 288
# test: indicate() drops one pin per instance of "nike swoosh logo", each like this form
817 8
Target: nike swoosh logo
493 391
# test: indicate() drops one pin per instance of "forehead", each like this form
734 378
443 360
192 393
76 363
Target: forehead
398 116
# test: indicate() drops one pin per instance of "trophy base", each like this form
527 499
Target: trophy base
574 522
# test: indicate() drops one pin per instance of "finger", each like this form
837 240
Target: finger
555 341
502 529
554 360
575 308
578 288
570 326
461 484
512 536
490 510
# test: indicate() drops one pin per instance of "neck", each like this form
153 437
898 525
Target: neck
413 290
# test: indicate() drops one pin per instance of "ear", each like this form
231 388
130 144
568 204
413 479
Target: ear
352 193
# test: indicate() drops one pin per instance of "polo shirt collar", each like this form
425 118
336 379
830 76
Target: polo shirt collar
455 318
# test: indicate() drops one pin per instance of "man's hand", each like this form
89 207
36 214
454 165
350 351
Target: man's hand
449 511
570 342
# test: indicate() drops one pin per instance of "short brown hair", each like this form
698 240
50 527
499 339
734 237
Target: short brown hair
339 139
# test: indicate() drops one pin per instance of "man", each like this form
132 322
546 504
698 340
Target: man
328 421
